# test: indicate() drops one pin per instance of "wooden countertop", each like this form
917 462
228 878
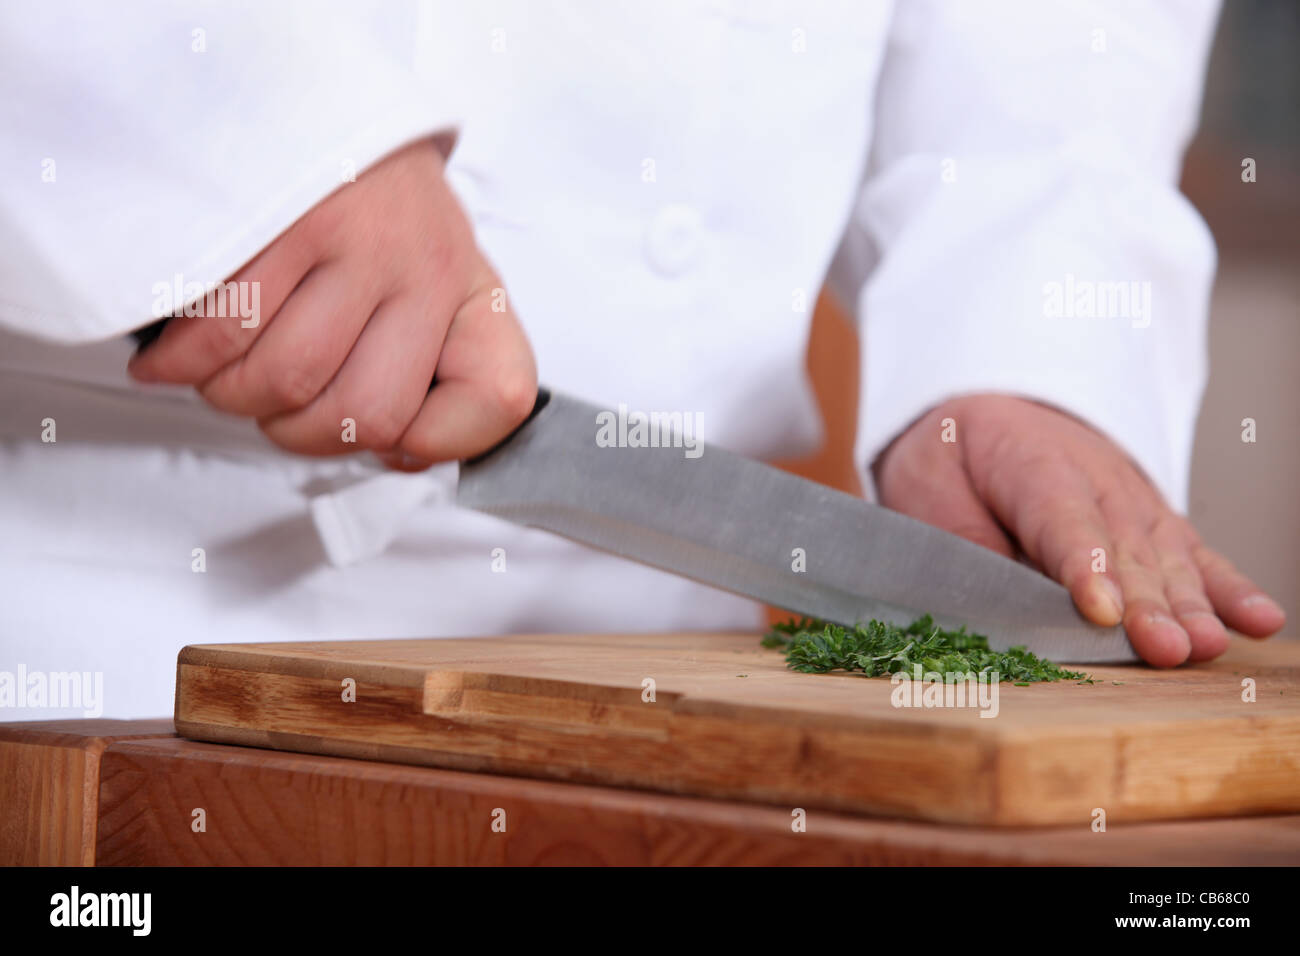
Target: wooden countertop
126 793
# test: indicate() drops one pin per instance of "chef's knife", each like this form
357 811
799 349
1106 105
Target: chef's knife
740 525
746 527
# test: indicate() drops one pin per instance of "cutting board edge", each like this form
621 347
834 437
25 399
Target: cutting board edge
236 657
962 815
996 816
425 680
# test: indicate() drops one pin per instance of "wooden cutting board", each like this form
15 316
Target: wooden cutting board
728 719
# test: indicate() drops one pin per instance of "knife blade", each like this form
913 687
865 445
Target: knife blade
737 524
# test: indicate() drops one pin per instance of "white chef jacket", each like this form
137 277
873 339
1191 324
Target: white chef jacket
661 185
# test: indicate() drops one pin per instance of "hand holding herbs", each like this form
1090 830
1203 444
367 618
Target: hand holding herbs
877 649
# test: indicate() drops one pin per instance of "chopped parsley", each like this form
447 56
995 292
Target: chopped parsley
877 649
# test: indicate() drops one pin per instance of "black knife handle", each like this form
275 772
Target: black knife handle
147 335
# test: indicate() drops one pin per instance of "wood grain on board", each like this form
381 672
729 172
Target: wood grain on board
270 808
728 720
49 787
263 808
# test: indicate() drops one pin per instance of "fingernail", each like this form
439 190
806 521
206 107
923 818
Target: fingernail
1160 619
1112 600
1264 601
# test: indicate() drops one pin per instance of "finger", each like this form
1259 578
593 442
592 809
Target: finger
1241 605
376 394
398 460
930 483
1154 632
1185 593
1062 530
1130 512
1185 590
192 348
1074 548
487 385
299 353
1051 508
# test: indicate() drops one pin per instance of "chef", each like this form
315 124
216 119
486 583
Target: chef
633 200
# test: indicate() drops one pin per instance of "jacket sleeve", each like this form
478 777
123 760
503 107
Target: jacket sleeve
160 140
1022 210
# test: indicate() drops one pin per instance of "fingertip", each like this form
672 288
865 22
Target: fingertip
1100 600
1158 638
1258 615
1241 605
1208 635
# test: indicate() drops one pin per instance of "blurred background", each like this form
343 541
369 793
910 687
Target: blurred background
1245 498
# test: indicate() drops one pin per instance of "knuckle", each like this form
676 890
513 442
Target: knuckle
1212 562
1168 528
293 386
1140 607
318 228
515 395
442 262
287 439
1135 552
1175 564
216 392
384 434
226 338
379 429
1186 605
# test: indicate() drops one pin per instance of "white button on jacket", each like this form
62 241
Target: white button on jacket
988 160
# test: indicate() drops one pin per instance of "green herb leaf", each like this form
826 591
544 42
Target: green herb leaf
877 649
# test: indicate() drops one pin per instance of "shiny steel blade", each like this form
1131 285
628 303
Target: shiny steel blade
735 523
